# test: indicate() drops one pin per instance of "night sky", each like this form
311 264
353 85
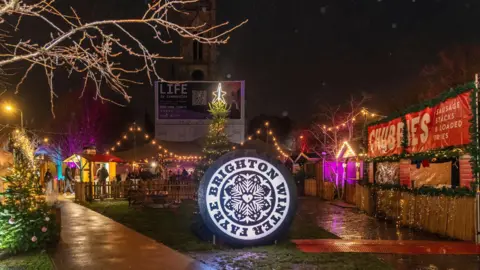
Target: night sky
295 55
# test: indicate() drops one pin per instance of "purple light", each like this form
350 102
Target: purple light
71 164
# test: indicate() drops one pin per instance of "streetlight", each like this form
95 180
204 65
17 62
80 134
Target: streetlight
10 108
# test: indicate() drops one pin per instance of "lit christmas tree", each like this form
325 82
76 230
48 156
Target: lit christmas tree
25 219
216 143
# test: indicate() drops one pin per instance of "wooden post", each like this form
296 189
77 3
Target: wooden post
80 192
92 190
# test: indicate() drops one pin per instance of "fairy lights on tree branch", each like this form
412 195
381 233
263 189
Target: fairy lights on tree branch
93 48
363 113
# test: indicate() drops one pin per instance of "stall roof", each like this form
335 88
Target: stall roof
96 158
306 157
349 150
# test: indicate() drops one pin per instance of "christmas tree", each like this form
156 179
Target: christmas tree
26 221
216 143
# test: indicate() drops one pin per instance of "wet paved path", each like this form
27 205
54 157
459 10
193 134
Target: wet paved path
90 240
350 224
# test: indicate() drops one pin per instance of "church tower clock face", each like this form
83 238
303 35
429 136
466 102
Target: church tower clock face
247 199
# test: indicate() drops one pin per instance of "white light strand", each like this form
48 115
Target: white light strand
268 133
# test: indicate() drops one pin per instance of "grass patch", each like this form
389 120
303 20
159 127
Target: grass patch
172 228
35 260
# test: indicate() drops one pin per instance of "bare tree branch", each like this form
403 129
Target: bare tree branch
334 126
92 49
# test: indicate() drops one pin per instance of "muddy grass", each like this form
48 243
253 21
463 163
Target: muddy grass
172 228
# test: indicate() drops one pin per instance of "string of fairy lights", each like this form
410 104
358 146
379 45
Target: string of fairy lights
266 131
161 150
363 112
268 134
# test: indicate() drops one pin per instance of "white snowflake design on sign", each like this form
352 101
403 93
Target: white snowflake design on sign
248 198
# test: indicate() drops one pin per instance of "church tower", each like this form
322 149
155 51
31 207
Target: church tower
199 59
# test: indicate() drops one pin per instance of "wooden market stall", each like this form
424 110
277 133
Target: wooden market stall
343 172
306 165
420 166
87 163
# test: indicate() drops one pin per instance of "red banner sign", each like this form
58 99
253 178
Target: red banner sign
446 124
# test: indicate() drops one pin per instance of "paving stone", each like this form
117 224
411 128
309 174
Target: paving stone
90 240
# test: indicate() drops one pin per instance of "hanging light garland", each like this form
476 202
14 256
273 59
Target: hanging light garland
162 152
134 129
269 133
363 112
171 158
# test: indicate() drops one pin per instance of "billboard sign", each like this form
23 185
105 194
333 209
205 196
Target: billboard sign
189 100
181 109
443 125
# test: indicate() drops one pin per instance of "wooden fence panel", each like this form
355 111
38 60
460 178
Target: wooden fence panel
350 190
175 190
448 216
310 187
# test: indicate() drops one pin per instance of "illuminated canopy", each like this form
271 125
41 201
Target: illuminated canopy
94 158
346 151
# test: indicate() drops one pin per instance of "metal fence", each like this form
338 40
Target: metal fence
174 190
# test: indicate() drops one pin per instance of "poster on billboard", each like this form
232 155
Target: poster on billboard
189 100
443 125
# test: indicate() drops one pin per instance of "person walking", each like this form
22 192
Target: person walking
68 181
48 182
102 175
184 174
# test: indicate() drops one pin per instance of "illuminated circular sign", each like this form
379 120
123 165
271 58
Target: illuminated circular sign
247 199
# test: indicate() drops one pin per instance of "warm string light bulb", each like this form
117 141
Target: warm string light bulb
135 128
270 133
363 112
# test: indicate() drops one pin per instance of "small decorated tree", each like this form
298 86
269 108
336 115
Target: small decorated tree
216 143
25 220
